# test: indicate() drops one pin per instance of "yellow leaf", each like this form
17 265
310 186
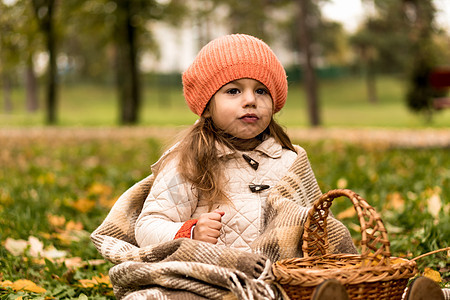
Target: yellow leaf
48 178
72 225
83 205
96 280
395 201
99 189
342 183
23 285
107 202
56 221
5 284
397 261
430 273
348 213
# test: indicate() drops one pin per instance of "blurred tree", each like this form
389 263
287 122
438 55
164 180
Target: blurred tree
112 34
316 41
17 46
133 18
363 41
420 93
8 53
254 17
301 21
88 44
307 22
45 13
28 29
400 36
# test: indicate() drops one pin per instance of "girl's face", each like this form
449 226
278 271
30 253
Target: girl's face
242 108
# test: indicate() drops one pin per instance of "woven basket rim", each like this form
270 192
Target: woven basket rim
290 271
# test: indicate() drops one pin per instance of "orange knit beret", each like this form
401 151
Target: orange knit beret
229 58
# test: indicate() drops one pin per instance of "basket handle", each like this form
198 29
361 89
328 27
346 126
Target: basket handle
374 241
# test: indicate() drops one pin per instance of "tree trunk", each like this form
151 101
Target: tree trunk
308 67
32 102
127 69
53 70
44 11
369 74
7 93
371 86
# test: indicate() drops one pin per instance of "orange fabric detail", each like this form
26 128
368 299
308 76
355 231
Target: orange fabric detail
185 230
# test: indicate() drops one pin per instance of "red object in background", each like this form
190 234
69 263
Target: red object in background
440 78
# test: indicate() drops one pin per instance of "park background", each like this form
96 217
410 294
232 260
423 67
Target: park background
91 95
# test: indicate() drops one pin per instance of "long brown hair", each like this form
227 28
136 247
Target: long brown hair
198 160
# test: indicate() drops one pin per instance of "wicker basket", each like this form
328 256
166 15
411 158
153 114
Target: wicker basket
372 275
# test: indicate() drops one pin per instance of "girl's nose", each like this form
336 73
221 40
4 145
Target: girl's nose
249 99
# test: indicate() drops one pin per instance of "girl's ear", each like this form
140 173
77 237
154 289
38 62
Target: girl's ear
207 112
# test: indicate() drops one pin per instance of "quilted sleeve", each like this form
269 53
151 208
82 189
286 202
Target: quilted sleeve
168 206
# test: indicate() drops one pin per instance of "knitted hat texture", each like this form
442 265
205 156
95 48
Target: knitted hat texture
229 58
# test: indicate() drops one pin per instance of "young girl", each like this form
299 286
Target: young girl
212 186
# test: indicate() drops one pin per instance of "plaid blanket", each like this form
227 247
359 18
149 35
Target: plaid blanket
190 269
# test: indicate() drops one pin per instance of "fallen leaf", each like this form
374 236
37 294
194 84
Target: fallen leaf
395 201
99 189
96 280
36 246
52 253
23 285
72 225
107 202
83 205
74 262
434 204
348 213
430 273
56 221
342 183
15 247
18 247
77 262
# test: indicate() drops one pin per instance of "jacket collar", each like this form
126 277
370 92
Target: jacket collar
269 147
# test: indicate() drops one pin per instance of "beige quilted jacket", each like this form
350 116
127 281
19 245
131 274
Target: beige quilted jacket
172 201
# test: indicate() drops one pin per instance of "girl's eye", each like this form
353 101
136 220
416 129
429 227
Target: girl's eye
262 91
233 91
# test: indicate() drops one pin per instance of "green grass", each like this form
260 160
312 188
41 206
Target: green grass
343 104
78 177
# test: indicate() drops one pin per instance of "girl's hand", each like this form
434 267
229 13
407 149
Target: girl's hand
208 227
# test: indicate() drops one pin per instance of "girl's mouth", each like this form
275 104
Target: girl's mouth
249 118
